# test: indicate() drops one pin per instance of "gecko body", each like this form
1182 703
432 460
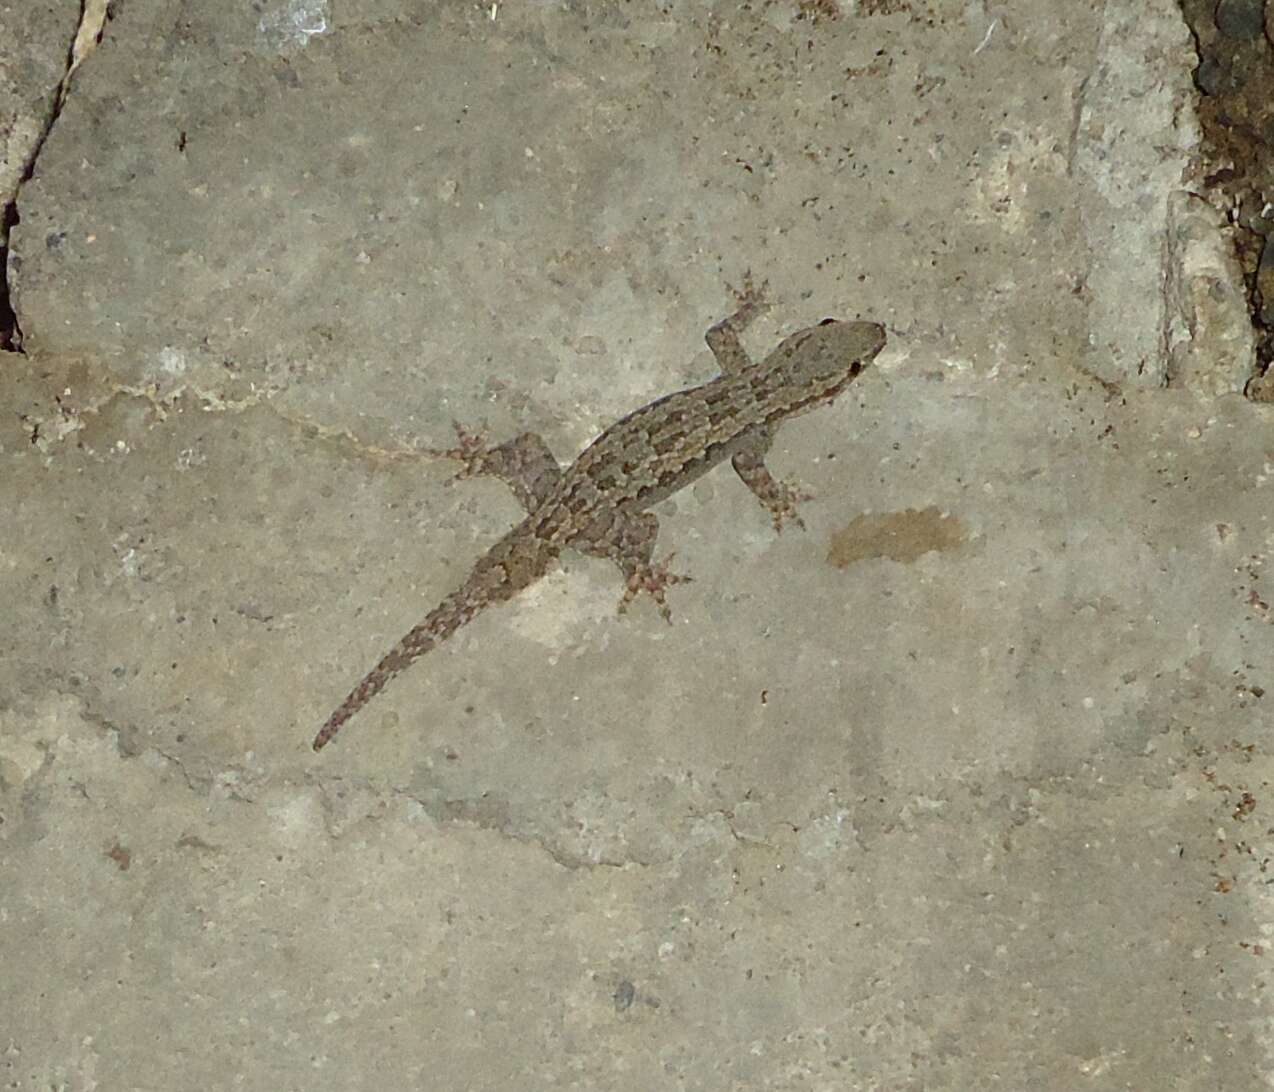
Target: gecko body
599 504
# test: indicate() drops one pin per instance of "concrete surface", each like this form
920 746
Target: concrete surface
965 787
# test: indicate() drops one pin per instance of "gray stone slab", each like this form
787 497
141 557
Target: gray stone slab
961 788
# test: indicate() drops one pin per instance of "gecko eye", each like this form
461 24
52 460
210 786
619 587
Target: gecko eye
828 322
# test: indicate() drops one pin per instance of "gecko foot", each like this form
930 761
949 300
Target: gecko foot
472 448
782 503
724 337
751 300
652 579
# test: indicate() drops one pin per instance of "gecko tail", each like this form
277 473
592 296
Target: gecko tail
517 560
372 684
438 625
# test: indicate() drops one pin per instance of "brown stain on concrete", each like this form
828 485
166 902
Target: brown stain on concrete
900 536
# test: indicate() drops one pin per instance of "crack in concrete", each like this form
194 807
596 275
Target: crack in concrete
45 430
66 416
465 813
88 36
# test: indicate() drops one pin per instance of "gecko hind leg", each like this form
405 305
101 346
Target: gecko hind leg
629 541
525 464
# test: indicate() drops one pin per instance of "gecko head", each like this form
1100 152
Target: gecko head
847 342
823 359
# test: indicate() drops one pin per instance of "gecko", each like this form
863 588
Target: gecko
599 505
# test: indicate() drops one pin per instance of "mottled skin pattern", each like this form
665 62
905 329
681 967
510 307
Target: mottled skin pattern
598 504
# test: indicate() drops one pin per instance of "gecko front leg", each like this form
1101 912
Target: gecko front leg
779 498
723 337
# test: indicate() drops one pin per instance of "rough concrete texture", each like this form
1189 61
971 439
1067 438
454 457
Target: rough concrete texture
964 787
34 45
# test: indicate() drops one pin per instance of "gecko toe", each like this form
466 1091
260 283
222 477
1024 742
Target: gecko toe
653 580
473 449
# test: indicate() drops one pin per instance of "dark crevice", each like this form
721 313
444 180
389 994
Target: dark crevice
1235 79
10 330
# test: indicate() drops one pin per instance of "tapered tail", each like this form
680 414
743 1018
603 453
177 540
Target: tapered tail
439 624
508 567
